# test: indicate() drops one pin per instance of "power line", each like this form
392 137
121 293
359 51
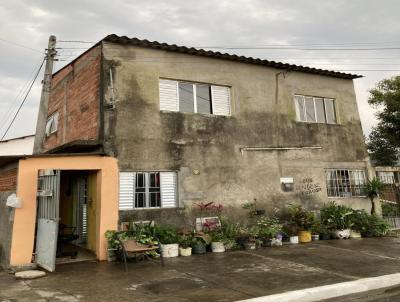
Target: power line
19 45
23 101
21 91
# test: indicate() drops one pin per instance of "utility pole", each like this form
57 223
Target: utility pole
44 99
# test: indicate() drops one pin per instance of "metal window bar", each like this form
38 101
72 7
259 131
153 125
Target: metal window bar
345 183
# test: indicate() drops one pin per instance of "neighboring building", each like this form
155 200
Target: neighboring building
17 146
390 176
181 126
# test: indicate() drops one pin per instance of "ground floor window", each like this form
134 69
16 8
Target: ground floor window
345 183
144 190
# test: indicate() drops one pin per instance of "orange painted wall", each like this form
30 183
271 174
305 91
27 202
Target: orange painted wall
25 217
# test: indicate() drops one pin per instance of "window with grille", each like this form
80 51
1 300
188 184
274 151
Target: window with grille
386 177
146 190
315 109
194 97
345 183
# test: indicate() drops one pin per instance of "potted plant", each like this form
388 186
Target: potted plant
315 230
269 230
252 208
185 245
113 245
248 237
337 218
217 241
230 231
302 220
291 231
198 245
324 232
359 220
168 239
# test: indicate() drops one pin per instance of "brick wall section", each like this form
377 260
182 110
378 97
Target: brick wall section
8 180
76 97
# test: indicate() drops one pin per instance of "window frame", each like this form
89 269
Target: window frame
52 120
339 187
147 191
194 86
314 98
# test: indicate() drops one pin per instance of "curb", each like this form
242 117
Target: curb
332 291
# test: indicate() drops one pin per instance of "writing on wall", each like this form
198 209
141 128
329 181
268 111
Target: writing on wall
307 186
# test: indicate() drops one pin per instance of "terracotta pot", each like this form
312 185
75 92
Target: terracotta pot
304 236
185 251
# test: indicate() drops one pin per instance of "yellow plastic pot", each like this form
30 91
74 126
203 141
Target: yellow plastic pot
304 236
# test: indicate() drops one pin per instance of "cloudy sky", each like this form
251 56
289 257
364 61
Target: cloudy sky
358 36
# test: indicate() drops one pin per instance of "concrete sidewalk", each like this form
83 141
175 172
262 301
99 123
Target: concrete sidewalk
229 276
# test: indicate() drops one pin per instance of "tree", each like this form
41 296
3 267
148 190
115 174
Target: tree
381 150
384 140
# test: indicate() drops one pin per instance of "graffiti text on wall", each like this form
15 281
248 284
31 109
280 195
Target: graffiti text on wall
307 186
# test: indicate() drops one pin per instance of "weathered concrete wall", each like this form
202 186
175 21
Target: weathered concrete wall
144 138
75 95
6 224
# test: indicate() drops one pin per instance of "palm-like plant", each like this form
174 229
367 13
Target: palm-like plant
372 189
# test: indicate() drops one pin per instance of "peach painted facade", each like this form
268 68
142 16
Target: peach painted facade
25 217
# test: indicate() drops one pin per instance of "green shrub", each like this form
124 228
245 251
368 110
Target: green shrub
166 234
336 217
299 219
390 209
268 228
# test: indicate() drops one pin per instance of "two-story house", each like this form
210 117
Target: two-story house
155 128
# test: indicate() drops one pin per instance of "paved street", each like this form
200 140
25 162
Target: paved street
217 277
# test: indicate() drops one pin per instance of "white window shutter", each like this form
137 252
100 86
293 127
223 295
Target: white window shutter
221 100
168 95
168 189
127 181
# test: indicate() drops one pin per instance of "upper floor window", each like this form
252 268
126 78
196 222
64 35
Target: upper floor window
315 109
52 124
194 97
144 190
345 183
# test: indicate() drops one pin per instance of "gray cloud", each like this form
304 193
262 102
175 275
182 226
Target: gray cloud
200 23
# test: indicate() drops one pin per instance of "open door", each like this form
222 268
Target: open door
48 199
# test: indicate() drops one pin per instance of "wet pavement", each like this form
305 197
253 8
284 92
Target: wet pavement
228 276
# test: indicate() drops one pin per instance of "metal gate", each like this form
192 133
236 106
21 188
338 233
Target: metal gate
48 201
82 209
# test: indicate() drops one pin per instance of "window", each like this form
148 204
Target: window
52 124
386 177
194 97
315 109
345 183
144 190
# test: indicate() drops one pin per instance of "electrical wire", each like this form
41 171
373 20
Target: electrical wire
19 45
23 101
22 90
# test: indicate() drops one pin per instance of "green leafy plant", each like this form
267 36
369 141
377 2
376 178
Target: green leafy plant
300 218
372 191
112 239
390 209
185 240
166 234
336 217
268 228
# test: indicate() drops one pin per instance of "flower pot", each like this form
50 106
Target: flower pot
185 251
250 245
325 236
112 255
315 237
294 239
217 247
198 248
170 250
355 234
342 234
304 236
